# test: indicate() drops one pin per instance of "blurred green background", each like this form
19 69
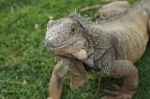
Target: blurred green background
25 63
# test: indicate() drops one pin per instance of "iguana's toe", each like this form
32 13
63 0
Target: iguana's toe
120 94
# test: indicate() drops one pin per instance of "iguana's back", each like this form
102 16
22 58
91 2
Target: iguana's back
129 31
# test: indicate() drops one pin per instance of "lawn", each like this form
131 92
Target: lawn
25 63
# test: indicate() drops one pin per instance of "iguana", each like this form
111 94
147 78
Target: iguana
109 47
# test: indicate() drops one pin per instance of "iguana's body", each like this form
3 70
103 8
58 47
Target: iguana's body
109 47
127 33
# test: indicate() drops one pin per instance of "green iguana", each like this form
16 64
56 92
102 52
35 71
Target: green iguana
109 47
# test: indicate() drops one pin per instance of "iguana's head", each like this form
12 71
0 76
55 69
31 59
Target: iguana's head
66 37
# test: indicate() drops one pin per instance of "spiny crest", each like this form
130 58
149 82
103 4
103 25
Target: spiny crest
110 17
82 20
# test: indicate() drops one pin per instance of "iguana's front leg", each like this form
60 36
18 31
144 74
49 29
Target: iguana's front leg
56 82
125 69
77 72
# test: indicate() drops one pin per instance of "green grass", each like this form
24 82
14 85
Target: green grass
26 65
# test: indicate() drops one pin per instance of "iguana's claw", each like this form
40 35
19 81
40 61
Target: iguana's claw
120 94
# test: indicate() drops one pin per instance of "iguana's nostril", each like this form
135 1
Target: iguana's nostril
49 43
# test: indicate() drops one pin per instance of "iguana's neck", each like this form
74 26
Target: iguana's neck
94 36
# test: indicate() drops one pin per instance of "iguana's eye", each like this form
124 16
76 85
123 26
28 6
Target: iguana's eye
73 30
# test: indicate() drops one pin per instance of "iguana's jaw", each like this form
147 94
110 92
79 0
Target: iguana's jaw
79 53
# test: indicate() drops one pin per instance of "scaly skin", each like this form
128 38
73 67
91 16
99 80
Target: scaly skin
112 8
110 48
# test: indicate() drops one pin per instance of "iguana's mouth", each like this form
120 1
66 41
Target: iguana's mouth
61 45
64 47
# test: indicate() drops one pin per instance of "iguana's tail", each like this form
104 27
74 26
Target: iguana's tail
145 4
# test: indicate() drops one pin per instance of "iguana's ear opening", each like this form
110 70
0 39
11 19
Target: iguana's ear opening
78 74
